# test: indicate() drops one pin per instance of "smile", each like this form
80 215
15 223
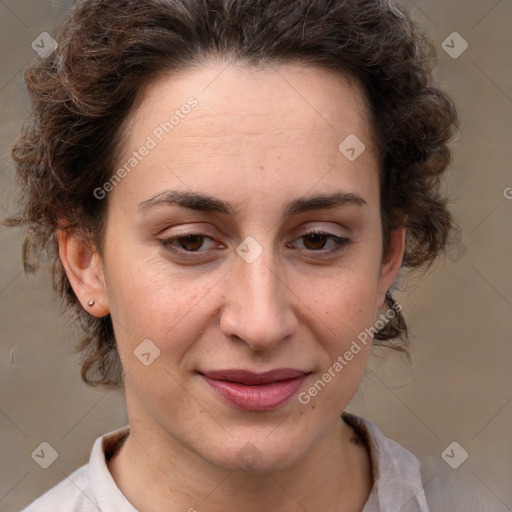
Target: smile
251 391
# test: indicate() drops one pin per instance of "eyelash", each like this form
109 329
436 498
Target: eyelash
169 243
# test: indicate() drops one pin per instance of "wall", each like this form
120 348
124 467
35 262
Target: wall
459 386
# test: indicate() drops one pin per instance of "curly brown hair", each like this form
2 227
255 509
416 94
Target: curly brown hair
109 51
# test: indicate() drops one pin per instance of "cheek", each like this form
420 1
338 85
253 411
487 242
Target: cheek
347 310
347 300
152 303
158 319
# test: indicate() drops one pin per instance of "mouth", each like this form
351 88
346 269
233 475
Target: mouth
252 391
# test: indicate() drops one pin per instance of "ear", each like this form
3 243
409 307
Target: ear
391 264
84 269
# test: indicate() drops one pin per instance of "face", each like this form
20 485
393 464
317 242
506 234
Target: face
243 249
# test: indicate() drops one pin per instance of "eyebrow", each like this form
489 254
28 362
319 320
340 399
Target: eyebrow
206 203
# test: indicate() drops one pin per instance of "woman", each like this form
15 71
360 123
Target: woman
229 191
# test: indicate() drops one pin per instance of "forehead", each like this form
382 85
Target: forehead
248 100
253 121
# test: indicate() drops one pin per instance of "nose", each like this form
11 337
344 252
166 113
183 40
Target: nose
258 308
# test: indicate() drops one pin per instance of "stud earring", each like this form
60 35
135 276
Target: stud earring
91 303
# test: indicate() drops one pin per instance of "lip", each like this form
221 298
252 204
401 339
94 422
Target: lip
252 391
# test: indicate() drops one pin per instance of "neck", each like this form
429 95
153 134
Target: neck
156 473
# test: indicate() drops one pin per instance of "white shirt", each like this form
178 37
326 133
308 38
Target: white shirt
396 474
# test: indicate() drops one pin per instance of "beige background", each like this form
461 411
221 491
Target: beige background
459 387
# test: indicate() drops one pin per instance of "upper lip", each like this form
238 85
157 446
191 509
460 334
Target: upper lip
250 378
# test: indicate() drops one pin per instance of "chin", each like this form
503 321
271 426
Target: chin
255 453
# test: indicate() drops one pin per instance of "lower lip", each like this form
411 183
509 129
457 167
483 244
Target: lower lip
262 397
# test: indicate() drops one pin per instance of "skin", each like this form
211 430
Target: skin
258 139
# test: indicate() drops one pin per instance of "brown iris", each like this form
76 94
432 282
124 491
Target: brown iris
191 242
317 240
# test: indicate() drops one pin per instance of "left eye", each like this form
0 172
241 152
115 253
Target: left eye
317 240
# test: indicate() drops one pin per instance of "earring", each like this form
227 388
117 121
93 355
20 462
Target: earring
91 303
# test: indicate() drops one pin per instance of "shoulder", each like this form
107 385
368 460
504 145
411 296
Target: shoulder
396 471
457 490
72 494
90 488
387 456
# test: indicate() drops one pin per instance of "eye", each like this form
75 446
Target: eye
195 245
316 241
189 243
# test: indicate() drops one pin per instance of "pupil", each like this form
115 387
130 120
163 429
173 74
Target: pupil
318 240
191 240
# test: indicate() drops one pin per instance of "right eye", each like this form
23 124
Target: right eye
189 244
